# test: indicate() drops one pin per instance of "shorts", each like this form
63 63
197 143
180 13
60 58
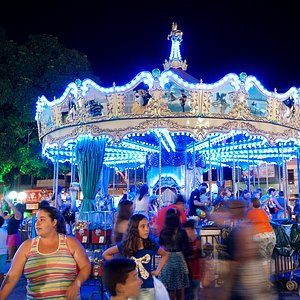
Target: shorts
13 240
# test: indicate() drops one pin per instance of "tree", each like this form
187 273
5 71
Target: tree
40 66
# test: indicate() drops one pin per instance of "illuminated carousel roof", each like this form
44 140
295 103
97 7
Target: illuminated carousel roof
233 121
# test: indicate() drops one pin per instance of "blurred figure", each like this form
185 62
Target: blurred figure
194 261
263 234
120 278
175 273
14 221
55 265
247 278
3 249
141 201
124 212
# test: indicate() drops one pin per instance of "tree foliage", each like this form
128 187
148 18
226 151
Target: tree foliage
39 66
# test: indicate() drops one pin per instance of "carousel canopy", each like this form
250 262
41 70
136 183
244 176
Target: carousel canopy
232 121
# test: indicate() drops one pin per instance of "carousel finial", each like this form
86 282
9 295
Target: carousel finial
175 60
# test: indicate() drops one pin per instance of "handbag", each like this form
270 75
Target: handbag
160 291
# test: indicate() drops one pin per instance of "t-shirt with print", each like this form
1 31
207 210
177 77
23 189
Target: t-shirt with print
143 259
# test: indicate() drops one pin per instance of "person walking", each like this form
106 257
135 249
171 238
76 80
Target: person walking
14 220
55 265
124 212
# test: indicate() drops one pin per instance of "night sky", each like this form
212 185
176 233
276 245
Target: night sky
260 38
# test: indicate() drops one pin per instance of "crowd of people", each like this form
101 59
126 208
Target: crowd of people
153 248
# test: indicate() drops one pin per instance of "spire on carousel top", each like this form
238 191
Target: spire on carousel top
175 60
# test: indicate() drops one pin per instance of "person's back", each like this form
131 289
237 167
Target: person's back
142 201
178 204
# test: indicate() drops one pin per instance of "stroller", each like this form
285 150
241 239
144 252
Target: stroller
286 253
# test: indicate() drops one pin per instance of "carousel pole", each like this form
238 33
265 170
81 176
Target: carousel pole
279 172
221 170
54 174
160 157
56 181
286 193
135 170
284 180
185 173
238 174
298 170
233 168
253 173
258 176
218 172
128 174
210 172
73 165
249 176
267 177
194 166
114 181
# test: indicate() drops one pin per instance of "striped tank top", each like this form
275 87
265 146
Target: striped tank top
49 275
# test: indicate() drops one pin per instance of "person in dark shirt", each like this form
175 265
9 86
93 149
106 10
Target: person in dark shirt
14 220
175 273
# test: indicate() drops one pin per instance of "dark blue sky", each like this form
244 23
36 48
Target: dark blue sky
219 37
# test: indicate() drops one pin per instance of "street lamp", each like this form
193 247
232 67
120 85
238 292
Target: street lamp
21 197
12 195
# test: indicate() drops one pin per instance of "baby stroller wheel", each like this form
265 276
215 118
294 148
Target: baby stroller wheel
290 285
295 284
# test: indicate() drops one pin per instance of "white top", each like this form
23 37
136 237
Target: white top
3 241
142 205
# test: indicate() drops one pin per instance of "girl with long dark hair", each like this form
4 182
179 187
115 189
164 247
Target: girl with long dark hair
138 246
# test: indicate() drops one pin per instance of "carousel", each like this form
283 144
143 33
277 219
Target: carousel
173 127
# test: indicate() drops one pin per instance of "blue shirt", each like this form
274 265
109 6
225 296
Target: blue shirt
143 259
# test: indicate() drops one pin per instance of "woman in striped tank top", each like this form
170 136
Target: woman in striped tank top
54 264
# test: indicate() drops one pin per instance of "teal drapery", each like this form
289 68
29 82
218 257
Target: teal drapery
104 181
89 156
